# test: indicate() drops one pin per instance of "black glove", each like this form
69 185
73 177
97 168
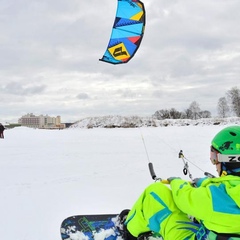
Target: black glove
196 182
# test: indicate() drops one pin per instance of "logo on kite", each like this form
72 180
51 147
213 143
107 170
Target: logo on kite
127 32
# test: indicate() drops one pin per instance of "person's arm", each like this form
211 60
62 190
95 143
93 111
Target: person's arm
196 202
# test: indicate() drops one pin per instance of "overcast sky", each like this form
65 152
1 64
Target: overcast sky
49 51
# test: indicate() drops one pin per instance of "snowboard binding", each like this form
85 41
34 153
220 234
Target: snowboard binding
126 235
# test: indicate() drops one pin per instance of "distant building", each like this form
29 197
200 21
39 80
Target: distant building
30 120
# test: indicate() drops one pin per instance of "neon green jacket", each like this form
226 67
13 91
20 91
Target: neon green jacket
156 211
216 202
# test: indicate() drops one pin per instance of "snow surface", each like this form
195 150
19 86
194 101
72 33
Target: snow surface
48 175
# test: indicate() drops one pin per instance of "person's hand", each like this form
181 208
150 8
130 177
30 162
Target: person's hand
172 178
196 182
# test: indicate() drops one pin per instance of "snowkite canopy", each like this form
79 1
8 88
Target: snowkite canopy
127 32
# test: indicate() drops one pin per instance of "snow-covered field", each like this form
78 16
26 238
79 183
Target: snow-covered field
48 175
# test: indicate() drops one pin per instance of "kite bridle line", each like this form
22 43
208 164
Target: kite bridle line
185 167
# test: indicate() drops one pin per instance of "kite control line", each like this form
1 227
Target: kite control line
186 167
185 163
186 170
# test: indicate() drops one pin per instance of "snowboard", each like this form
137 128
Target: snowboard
91 227
95 227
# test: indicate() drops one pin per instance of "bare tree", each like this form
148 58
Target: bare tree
167 114
233 96
161 114
175 114
205 114
195 110
223 107
188 114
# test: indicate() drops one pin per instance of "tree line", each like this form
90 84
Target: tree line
230 103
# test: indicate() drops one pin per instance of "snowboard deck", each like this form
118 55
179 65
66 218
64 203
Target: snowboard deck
91 227
94 227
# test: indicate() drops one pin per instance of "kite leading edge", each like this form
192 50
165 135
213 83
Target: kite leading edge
127 32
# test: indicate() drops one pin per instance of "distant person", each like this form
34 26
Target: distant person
213 202
2 128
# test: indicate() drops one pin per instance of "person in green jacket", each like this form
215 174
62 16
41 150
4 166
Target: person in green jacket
208 209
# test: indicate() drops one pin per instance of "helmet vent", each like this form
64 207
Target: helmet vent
233 134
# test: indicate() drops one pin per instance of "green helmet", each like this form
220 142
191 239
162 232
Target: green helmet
227 141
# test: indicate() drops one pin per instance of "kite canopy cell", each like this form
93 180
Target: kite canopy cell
127 32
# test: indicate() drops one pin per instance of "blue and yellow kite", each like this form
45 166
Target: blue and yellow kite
127 32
